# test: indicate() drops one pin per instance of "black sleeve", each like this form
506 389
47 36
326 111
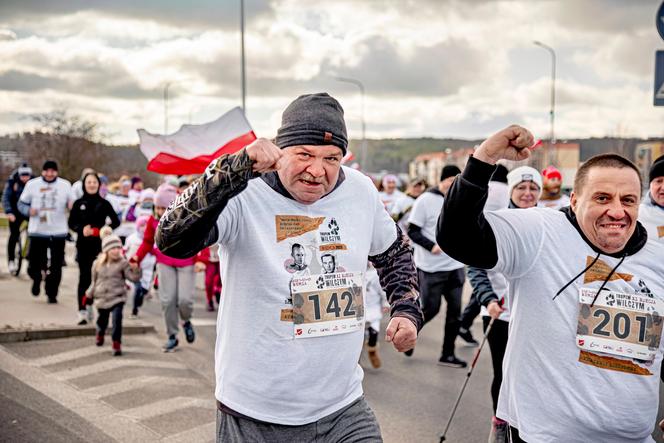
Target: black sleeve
463 232
190 222
415 234
110 212
7 196
75 218
398 278
482 288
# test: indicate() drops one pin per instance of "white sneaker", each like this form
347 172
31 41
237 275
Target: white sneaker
12 266
81 318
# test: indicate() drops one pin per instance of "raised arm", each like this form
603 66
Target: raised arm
463 232
189 224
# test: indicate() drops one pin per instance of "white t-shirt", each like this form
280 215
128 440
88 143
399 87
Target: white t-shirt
121 205
76 191
424 214
402 206
501 289
389 199
51 200
262 370
132 243
651 217
498 196
547 392
556 204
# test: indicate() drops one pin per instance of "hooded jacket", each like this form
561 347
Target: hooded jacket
92 210
11 194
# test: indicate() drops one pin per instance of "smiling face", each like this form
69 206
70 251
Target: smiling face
310 172
657 190
91 184
607 207
525 194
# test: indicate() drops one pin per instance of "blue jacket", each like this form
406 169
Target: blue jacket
11 194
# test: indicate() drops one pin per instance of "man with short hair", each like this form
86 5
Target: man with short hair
552 196
328 262
586 289
288 347
10 196
439 275
45 201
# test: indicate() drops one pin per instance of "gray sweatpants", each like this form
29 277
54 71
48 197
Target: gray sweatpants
354 423
176 293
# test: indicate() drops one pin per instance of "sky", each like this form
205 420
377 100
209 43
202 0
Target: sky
430 68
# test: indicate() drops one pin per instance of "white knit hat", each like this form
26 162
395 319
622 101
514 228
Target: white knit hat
523 174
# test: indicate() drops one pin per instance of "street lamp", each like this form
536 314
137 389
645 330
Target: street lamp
244 75
552 140
363 160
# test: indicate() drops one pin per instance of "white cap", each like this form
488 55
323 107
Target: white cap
523 174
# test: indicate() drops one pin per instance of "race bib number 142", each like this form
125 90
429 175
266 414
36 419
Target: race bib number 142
328 304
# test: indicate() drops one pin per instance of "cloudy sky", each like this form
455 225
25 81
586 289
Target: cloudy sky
440 68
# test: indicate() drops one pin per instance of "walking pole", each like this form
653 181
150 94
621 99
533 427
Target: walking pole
470 372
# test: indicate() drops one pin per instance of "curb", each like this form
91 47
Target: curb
18 335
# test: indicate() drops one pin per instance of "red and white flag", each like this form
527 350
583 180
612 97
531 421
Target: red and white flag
191 149
348 157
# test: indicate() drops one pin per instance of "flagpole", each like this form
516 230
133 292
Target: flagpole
244 76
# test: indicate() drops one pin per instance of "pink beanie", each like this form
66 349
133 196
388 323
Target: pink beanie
142 221
165 195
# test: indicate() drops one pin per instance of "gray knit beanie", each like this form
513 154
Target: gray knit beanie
313 119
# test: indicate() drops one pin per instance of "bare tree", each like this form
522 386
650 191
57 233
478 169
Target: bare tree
74 142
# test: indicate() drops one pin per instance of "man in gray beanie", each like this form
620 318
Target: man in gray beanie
288 343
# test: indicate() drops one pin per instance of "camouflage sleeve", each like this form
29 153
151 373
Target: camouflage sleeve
398 277
190 222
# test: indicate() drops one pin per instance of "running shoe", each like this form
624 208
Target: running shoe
189 331
466 336
452 362
171 344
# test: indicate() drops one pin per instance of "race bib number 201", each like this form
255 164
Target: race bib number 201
625 325
327 304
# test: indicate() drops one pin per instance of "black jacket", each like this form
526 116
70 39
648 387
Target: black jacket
93 210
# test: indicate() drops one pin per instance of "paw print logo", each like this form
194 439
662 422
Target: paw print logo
610 300
320 282
333 226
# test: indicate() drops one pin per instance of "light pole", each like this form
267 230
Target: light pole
363 160
244 75
166 87
552 139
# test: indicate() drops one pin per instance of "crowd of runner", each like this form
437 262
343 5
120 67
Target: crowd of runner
303 257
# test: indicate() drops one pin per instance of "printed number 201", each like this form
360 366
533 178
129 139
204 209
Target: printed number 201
622 325
333 305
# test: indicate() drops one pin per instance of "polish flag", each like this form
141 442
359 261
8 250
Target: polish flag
191 149
348 157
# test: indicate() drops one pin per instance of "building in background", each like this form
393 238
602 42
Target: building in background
430 164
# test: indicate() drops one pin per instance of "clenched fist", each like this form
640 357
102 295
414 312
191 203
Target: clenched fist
512 143
265 155
402 333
